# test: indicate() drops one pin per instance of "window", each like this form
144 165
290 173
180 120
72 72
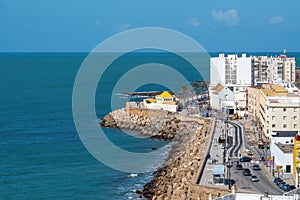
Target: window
284 109
284 117
295 109
295 117
273 125
295 125
273 109
284 125
273 117
288 168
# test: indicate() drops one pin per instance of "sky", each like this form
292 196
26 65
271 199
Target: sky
218 25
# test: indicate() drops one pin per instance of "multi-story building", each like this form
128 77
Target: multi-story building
296 159
279 111
253 94
297 82
234 73
231 70
260 69
266 69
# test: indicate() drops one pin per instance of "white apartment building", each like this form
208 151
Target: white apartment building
234 73
230 70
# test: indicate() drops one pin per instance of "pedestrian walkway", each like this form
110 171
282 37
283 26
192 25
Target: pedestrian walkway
216 158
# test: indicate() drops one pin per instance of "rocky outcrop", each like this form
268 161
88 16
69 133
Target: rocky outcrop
160 127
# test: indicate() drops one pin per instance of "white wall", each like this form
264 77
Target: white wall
217 70
244 70
281 158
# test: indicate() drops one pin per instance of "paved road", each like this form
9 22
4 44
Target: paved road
235 147
263 185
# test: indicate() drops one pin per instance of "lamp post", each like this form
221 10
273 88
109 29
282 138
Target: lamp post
229 165
298 172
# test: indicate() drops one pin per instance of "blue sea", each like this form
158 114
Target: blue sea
41 154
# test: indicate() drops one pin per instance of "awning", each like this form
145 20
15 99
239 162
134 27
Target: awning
218 170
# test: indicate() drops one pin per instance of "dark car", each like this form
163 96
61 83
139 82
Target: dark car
281 184
256 167
239 167
245 159
276 180
246 172
292 187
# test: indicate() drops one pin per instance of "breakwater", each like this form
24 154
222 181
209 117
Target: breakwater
177 178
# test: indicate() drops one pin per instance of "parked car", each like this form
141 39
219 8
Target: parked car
254 178
279 184
286 187
239 167
245 159
256 167
246 172
292 187
276 180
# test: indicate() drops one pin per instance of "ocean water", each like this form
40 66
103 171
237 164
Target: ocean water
41 154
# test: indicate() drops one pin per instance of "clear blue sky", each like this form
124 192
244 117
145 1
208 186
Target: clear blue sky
219 25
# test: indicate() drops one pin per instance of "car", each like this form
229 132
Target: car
239 167
245 159
286 187
276 180
281 184
256 167
254 178
246 172
292 187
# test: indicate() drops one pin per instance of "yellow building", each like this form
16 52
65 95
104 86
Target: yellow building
164 101
296 159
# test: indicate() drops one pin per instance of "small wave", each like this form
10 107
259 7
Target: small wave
132 175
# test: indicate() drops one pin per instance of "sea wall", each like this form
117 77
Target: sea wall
177 178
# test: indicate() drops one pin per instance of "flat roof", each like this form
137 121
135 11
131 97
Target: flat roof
286 148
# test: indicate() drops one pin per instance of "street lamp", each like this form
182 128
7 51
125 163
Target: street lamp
298 171
229 165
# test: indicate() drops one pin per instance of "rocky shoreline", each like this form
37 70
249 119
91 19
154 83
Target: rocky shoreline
177 177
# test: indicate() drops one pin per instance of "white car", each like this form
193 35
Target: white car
254 178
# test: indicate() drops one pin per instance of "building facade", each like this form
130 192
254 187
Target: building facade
266 69
230 70
297 82
296 159
164 101
279 111
253 94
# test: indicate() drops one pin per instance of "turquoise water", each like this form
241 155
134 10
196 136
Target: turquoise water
41 154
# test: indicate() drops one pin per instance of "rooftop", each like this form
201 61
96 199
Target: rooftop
285 148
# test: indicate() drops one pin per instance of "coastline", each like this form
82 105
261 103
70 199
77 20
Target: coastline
177 177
